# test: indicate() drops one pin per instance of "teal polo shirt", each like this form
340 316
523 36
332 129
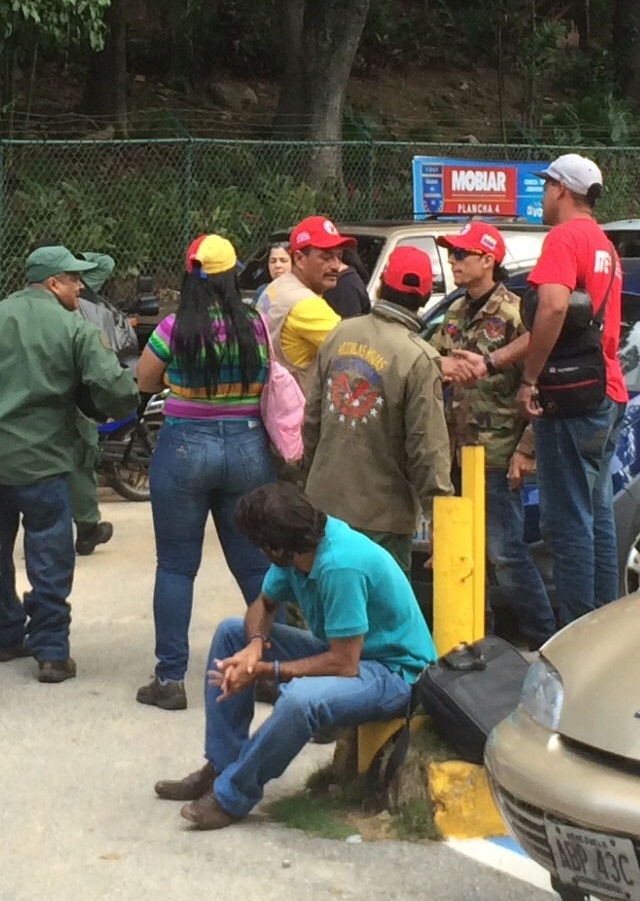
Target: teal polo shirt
356 588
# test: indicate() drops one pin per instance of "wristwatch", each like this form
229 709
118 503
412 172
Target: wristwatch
492 369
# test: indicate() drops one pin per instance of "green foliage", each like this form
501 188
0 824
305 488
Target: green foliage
415 821
61 21
241 36
397 33
594 119
315 815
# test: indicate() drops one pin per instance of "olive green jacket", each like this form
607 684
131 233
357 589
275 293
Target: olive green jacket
48 357
375 435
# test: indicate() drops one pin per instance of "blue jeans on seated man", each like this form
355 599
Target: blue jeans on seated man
198 469
576 506
44 617
515 571
306 705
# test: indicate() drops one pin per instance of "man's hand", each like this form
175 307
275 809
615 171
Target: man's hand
459 370
474 361
520 466
527 400
234 674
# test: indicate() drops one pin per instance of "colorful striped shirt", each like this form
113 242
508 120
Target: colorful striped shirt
190 401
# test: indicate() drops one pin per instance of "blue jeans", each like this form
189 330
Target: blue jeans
576 506
50 561
200 469
305 705
515 571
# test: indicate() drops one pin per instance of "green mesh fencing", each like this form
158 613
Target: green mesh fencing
144 201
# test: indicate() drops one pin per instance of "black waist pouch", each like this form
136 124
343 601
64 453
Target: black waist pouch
573 383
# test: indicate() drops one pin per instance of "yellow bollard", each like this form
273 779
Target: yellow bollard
453 597
473 488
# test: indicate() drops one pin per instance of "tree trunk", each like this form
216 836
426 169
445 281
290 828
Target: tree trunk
320 40
581 14
626 49
291 121
106 94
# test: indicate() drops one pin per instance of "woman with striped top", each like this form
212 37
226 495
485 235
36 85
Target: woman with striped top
212 448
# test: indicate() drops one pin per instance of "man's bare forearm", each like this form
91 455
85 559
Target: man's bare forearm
325 664
511 353
259 617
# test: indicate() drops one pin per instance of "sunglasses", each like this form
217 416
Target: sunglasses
280 245
459 254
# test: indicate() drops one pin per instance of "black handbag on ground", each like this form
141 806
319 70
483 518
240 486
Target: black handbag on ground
470 690
573 381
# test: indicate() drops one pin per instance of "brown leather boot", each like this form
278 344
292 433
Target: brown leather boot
53 671
208 813
190 788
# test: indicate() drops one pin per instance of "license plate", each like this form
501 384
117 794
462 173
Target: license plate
595 861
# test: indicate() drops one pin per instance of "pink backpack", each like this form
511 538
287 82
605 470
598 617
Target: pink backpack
282 407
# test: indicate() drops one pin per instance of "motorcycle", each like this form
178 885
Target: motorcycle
126 447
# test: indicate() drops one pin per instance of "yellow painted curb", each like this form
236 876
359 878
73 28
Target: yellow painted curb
462 801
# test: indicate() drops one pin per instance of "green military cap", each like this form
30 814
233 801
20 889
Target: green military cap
48 261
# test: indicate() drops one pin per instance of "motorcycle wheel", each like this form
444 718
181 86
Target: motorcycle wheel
133 484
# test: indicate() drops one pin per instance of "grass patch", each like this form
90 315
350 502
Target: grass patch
315 815
415 822
337 802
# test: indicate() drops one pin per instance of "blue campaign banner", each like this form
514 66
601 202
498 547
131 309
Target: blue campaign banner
455 187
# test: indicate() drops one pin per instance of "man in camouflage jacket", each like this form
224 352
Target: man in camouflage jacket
485 318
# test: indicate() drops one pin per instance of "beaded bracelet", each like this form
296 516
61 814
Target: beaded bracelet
263 638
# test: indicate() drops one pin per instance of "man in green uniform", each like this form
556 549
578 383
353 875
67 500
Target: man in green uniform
49 362
90 529
484 319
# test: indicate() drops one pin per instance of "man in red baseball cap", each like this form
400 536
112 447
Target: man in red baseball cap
476 239
485 319
375 435
299 317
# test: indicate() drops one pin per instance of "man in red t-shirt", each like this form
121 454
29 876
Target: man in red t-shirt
574 454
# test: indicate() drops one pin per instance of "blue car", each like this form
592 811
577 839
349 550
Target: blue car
626 463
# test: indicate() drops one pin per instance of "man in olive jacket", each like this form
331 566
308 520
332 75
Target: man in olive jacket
49 362
375 435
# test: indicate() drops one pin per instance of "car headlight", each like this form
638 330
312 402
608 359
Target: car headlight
543 694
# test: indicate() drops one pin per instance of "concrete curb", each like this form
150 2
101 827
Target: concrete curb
462 801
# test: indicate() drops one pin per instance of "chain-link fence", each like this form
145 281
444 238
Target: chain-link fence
144 201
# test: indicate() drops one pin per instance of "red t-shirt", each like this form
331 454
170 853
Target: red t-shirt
575 253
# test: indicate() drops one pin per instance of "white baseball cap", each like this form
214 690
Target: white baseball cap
575 172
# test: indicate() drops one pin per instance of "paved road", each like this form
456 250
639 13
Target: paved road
78 817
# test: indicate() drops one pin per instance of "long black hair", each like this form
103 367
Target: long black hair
195 346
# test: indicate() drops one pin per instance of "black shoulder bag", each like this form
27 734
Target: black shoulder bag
573 381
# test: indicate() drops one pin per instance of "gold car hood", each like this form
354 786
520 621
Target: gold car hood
598 658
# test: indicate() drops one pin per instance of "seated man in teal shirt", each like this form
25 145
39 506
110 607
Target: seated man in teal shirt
366 645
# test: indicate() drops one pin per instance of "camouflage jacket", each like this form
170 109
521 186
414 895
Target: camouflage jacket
485 413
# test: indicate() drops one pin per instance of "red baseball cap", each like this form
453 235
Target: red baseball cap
317 231
478 237
409 271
